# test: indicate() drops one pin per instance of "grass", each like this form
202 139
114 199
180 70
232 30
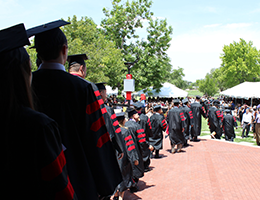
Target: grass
205 131
193 93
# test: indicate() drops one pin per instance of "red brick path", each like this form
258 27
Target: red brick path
206 170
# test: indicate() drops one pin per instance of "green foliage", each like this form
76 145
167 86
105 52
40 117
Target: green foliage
104 62
175 77
240 63
120 25
208 85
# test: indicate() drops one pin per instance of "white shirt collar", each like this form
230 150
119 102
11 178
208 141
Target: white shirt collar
56 66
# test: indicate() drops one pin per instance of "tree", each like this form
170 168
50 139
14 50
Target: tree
207 85
120 25
240 63
105 61
175 77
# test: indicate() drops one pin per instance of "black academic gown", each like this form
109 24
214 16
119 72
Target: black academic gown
159 125
113 127
146 125
33 160
138 136
126 163
123 142
176 122
74 104
188 121
215 122
197 111
229 122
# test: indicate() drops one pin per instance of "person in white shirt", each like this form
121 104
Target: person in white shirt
246 121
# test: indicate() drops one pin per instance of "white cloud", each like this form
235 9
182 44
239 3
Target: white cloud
238 25
212 25
199 50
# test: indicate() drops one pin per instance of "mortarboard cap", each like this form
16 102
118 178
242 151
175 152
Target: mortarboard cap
101 86
131 112
198 97
157 107
216 102
12 38
184 101
138 105
77 58
46 27
176 101
227 111
120 115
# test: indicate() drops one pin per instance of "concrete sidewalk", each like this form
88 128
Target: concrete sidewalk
208 169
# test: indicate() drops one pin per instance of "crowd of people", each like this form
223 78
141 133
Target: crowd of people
64 139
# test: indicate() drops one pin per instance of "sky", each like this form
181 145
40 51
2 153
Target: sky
201 28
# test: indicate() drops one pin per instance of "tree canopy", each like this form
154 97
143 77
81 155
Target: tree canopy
120 25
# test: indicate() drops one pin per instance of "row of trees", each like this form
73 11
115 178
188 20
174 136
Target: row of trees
240 63
116 41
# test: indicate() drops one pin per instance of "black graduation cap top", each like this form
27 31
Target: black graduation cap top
198 97
101 86
138 105
185 101
131 112
176 101
120 115
157 107
77 58
13 37
46 27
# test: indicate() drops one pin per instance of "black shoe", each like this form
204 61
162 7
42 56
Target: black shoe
147 169
157 156
186 145
133 189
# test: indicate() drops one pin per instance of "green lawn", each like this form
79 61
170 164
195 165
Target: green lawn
193 93
205 131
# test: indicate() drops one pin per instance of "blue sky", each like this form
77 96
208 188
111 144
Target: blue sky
201 28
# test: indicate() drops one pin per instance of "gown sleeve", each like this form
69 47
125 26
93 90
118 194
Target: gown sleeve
163 123
103 162
52 163
130 146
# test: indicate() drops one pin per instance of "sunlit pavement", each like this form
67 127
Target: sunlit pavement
208 169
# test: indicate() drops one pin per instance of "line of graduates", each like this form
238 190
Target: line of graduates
73 146
221 121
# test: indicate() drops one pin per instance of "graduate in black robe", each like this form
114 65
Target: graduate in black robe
139 138
188 120
215 122
74 104
176 122
197 111
111 122
229 122
159 125
33 161
145 124
130 158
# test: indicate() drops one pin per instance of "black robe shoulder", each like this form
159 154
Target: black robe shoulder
74 104
33 154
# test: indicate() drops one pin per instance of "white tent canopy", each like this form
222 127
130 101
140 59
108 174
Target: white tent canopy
244 90
168 90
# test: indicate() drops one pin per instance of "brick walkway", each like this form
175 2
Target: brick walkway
208 169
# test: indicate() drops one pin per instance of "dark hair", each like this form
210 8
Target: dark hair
15 89
49 44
